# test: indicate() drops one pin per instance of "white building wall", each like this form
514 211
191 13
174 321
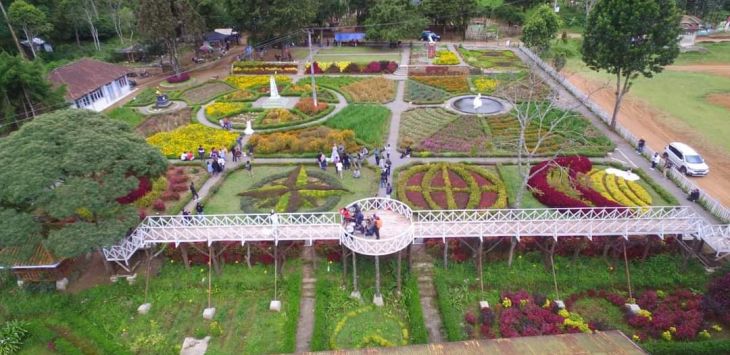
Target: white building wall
112 92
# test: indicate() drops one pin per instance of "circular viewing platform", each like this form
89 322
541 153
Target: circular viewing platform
396 232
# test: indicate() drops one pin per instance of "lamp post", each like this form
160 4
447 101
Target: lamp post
311 68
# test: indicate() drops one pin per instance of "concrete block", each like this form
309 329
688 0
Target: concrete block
378 300
633 308
356 295
114 279
144 308
61 284
483 304
132 279
21 283
209 313
275 306
560 304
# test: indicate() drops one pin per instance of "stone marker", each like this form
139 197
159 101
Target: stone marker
275 306
633 308
192 346
560 304
209 313
132 279
61 284
144 308
378 300
483 304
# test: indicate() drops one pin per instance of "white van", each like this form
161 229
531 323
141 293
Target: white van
686 159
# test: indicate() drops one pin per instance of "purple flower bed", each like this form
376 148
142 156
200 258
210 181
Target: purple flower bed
182 77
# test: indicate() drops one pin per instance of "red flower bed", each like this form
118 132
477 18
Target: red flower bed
415 179
525 318
679 313
457 181
417 198
488 199
182 77
143 187
717 299
550 196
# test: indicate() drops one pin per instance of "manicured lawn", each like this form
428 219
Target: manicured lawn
342 323
370 122
717 53
686 103
513 181
104 319
357 50
206 92
492 59
226 198
128 115
143 98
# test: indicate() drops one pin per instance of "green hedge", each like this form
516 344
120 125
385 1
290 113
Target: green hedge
450 316
684 348
293 294
320 338
412 298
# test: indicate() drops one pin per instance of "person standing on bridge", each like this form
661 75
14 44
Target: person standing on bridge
378 225
274 219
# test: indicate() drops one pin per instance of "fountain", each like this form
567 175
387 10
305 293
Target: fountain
274 100
162 100
479 105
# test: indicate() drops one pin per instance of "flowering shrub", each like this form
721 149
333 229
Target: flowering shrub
374 67
179 78
309 140
247 67
158 205
251 81
377 89
278 116
143 187
189 138
619 190
240 95
445 57
453 84
525 318
717 299
306 105
224 109
485 85
676 316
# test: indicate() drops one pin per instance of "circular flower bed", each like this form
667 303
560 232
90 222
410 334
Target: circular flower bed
355 330
451 186
297 190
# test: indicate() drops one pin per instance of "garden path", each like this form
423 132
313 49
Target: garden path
305 324
422 264
200 117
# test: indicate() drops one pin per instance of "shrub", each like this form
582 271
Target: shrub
179 78
224 109
445 57
352 68
309 140
179 187
717 299
170 196
306 105
178 179
278 116
373 67
189 138
12 335
158 205
143 187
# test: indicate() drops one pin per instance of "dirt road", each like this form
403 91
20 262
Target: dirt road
659 128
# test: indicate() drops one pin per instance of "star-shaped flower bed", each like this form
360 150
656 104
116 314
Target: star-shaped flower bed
299 190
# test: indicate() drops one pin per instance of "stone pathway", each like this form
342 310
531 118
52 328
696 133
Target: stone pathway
422 266
305 324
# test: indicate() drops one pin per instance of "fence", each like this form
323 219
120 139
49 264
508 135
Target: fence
708 202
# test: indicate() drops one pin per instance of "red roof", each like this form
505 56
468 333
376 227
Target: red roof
85 75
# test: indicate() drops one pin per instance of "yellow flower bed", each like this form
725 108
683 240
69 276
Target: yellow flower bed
189 138
224 109
619 190
377 89
445 57
341 65
485 85
249 81
308 140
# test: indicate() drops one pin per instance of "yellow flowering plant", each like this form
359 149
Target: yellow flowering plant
189 138
485 85
251 81
224 109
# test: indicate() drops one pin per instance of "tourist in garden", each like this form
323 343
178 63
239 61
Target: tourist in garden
406 153
338 167
387 151
250 151
239 142
201 152
378 225
274 218
377 157
213 153
369 227
693 195
388 190
222 153
198 208
216 167
186 216
248 168
655 160
364 152
383 179
345 213
640 146
210 167
193 191
667 164
222 163
356 172
346 161
388 164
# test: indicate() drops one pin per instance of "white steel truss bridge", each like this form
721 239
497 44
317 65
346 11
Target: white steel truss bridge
402 226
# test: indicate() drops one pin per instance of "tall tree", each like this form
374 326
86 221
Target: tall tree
24 91
628 38
167 21
62 175
393 20
30 19
540 28
11 30
83 11
443 13
267 18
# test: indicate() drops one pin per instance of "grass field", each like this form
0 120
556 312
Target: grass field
512 181
226 199
104 319
128 115
357 54
682 95
370 122
717 53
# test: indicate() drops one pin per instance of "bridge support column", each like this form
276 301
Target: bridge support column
378 298
355 291
446 254
513 245
479 265
184 253
398 280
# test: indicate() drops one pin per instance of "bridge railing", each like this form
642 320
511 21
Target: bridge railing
552 214
372 246
379 203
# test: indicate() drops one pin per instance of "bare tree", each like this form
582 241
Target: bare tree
588 6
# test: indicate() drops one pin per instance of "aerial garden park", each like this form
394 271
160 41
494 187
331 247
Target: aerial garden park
683 307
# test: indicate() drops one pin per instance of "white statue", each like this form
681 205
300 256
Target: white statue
335 154
274 90
249 130
477 101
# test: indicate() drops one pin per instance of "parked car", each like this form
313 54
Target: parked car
425 35
686 159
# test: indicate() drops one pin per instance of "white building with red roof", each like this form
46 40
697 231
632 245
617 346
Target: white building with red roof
92 84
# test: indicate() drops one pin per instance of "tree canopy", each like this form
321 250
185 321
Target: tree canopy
629 38
392 20
540 28
167 21
61 176
268 18
24 91
30 19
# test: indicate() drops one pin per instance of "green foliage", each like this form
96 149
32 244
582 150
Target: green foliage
264 18
540 28
29 19
424 94
12 334
19 77
512 178
53 179
450 307
128 115
706 347
412 299
369 122
403 21
163 20
492 59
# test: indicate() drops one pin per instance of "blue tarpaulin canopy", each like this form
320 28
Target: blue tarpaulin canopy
349 36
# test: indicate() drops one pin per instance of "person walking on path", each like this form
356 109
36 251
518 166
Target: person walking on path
640 146
378 225
210 167
383 179
377 158
387 151
193 191
338 166
655 160
667 164
248 168
694 195
388 191
198 208
250 152
201 152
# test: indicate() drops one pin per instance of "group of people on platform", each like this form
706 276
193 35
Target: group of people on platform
355 221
